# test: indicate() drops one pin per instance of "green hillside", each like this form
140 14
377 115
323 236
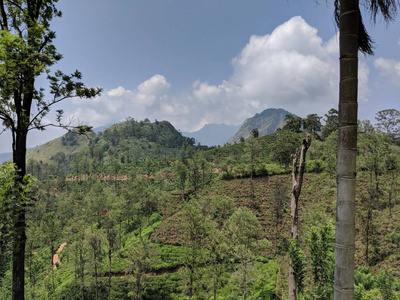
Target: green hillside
125 144
139 213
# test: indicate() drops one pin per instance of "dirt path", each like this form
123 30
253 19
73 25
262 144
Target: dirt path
56 259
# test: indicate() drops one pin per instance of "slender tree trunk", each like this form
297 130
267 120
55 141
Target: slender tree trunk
52 266
391 194
349 23
367 232
95 279
245 280
297 181
82 272
215 285
19 243
109 272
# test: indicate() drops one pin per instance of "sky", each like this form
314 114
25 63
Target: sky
212 61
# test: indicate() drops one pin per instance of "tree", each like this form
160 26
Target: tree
111 236
312 124
278 208
243 232
322 262
27 51
218 209
353 37
389 121
285 145
385 282
94 240
365 126
50 229
330 148
194 230
181 171
297 182
392 165
293 123
297 266
374 148
142 256
254 148
255 133
331 123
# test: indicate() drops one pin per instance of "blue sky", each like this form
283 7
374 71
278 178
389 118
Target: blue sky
213 61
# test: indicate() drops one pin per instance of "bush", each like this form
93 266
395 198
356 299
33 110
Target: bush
315 166
274 169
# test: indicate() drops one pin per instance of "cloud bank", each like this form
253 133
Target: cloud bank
290 68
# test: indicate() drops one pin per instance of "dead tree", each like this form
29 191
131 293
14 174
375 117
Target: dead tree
297 181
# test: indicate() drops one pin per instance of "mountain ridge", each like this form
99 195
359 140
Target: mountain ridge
268 121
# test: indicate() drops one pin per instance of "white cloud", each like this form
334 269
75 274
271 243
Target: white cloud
290 68
117 104
118 92
332 46
389 68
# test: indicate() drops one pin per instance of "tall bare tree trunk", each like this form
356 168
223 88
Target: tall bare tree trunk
297 181
349 22
19 242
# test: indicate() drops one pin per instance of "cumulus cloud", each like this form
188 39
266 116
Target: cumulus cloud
116 104
290 68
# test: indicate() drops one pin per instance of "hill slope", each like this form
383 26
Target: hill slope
266 122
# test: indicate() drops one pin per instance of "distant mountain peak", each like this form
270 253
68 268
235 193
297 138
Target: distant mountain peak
267 122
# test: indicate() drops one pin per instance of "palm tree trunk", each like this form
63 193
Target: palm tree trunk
349 23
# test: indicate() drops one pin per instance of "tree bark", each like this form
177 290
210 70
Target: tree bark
349 22
297 181
19 243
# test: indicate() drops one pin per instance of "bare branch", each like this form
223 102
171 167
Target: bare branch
46 107
4 24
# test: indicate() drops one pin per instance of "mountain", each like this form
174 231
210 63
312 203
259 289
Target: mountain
266 122
213 134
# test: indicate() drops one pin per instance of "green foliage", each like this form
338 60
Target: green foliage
266 285
322 262
385 283
312 124
13 195
373 149
286 144
364 278
298 265
293 124
243 231
331 123
329 153
388 120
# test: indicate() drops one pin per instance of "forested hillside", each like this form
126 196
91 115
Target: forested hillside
139 212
